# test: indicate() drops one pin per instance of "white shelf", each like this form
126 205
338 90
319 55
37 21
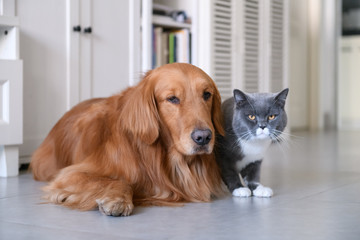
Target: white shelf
165 21
9 21
148 20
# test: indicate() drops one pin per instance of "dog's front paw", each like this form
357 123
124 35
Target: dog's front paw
242 192
262 191
115 207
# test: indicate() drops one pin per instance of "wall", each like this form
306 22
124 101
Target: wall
322 63
313 59
329 62
298 72
43 51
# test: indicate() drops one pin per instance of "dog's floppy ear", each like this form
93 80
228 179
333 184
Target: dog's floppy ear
217 117
139 114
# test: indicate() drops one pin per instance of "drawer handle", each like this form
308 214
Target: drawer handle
77 28
88 30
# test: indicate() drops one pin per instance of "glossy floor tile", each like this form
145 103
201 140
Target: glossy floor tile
315 178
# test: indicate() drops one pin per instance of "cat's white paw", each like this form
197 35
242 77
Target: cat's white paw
262 191
242 192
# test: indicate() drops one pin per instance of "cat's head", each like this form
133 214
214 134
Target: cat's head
259 115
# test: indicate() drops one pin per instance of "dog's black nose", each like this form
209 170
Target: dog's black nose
201 137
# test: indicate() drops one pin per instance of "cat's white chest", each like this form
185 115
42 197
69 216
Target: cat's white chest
253 150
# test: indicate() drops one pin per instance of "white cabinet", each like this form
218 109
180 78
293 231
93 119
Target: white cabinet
11 102
63 67
11 135
11 86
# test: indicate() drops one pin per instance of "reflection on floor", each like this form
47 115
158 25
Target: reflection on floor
315 178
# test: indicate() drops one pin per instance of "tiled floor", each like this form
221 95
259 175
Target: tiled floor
315 178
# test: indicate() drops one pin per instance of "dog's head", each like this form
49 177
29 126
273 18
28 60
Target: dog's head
180 101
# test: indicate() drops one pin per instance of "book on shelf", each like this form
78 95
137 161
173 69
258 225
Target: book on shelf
170 46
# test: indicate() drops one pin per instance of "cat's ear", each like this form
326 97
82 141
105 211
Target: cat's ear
280 98
239 96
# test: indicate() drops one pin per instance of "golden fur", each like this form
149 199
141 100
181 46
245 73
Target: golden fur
135 147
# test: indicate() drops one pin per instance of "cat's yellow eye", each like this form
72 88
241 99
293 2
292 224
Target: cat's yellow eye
271 117
251 117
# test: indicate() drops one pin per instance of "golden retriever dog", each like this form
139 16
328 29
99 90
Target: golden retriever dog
151 144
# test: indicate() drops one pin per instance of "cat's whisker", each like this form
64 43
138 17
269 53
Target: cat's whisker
284 151
282 143
289 139
289 143
243 137
288 134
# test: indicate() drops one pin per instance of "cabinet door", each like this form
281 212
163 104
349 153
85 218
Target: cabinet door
110 47
106 62
11 102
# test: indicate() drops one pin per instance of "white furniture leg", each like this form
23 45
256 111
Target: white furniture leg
9 161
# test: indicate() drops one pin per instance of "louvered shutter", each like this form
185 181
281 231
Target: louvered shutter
264 50
222 46
248 45
277 45
251 41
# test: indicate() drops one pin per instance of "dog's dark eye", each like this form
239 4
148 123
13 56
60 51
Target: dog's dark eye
206 95
173 100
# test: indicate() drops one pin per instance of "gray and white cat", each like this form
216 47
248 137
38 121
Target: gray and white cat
252 122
